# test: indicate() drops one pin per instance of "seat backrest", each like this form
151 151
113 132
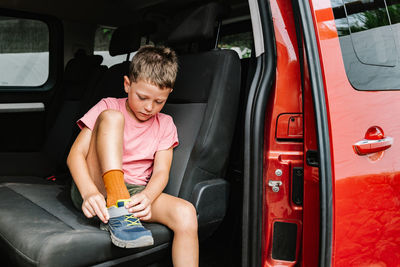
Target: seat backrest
80 75
125 40
203 105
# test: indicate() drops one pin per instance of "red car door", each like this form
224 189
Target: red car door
357 46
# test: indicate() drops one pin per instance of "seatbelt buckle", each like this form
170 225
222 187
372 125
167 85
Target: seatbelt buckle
51 178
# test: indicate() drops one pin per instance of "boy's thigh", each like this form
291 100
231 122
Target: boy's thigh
172 211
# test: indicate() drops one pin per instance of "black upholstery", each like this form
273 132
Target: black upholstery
48 231
204 106
199 25
127 39
43 229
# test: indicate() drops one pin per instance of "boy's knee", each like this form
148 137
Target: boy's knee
187 217
111 116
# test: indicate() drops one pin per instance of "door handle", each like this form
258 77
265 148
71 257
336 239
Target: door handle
374 141
366 146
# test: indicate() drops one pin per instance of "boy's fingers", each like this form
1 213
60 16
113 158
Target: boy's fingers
136 208
106 214
86 205
101 203
99 213
87 213
142 214
97 208
134 201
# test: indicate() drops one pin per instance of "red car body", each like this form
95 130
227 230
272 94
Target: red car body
365 186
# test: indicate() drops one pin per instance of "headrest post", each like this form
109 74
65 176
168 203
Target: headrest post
127 56
147 39
218 33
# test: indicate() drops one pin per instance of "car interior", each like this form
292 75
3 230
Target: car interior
38 224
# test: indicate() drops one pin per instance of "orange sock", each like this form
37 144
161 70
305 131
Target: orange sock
115 186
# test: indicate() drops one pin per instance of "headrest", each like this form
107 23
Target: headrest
79 67
198 73
126 39
199 25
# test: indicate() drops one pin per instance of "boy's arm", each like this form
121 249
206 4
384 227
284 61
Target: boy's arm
160 175
140 205
94 202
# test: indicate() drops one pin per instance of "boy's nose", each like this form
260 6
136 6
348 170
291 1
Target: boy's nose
148 107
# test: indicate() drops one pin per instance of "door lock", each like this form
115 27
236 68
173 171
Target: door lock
274 185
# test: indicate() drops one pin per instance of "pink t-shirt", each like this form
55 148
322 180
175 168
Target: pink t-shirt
141 139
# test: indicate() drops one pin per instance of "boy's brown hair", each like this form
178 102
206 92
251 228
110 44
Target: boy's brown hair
155 65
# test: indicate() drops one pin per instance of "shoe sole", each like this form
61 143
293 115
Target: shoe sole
143 241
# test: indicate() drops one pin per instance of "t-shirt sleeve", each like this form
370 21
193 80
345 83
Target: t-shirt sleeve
170 136
89 119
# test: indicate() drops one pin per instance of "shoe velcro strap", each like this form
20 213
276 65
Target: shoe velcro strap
116 212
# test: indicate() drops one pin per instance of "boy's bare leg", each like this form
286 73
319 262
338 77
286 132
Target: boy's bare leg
180 216
106 147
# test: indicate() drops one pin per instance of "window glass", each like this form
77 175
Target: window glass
24 52
367 32
239 42
102 43
371 32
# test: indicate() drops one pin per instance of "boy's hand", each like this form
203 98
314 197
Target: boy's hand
140 206
95 205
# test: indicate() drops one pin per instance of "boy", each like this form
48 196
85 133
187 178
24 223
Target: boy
121 159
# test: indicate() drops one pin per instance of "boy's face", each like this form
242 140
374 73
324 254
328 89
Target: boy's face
145 99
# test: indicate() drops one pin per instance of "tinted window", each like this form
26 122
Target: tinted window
368 33
24 52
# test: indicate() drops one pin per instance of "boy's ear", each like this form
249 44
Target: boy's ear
127 84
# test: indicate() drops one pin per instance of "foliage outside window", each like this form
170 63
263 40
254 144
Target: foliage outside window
240 42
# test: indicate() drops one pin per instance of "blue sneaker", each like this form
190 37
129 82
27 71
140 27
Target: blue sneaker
126 230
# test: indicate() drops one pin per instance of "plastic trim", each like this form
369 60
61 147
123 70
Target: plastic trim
257 27
253 185
141 257
321 118
21 107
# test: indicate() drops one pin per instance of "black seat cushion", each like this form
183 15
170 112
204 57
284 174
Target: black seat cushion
39 226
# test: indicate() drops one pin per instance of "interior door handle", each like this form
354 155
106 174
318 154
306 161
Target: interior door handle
368 146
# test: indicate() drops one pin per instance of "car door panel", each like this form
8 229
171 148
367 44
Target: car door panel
365 187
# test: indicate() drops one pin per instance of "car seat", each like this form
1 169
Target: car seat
40 227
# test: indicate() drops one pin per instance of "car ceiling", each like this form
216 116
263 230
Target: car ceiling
109 12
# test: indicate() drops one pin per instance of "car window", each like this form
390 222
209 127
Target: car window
24 52
369 34
102 43
239 42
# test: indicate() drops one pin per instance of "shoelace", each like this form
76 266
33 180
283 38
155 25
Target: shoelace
132 220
